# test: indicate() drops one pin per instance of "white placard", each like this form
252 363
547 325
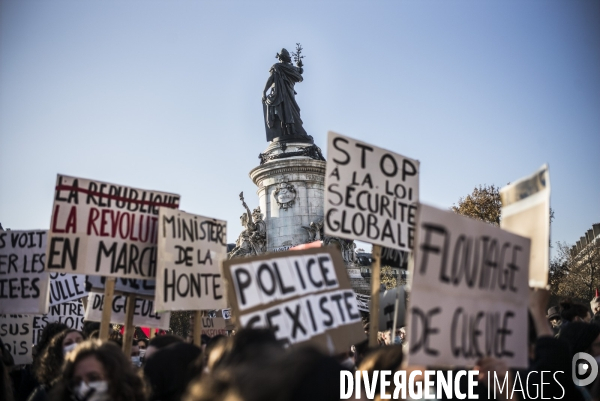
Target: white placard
141 288
190 248
526 212
363 301
212 326
301 295
65 287
16 333
70 313
469 292
143 314
104 229
23 279
371 193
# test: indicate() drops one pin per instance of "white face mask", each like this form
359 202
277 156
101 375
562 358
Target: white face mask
136 361
142 353
69 348
94 391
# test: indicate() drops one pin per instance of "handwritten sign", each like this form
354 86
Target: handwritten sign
469 292
23 278
190 248
371 193
212 326
304 296
65 287
69 313
141 288
16 333
104 229
526 212
143 315
363 301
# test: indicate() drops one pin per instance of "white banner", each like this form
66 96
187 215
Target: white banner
16 333
469 292
190 248
23 279
526 212
69 313
371 193
104 229
143 314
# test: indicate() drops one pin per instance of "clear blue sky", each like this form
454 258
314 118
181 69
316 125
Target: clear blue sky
166 95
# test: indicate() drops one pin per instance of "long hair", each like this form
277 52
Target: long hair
123 382
51 360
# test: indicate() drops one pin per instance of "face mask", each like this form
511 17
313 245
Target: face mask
136 361
397 340
142 353
94 391
69 348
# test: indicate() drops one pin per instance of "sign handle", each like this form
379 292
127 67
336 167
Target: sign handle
109 292
129 327
374 308
197 327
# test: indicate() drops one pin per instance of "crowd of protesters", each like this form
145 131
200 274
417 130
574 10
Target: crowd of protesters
251 365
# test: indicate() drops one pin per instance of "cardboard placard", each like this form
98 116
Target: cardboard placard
526 212
16 333
190 248
212 326
23 279
141 288
70 313
65 287
371 193
304 296
394 258
469 292
104 229
143 314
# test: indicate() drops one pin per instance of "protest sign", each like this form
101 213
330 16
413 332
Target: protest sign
16 333
212 326
65 287
526 212
394 258
143 314
371 193
469 292
362 302
23 279
354 273
104 229
70 313
141 288
391 305
189 250
303 296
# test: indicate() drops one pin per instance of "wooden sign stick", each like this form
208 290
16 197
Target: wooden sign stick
129 327
197 327
374 307
109 292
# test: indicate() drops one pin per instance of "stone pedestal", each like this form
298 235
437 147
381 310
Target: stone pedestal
291 191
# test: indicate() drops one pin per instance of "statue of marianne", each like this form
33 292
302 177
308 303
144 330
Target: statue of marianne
282 113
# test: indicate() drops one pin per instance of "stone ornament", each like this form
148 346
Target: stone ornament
253 240
285 195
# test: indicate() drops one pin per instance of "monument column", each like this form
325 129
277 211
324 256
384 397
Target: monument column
290 183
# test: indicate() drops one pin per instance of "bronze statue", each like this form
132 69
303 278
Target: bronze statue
281 112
